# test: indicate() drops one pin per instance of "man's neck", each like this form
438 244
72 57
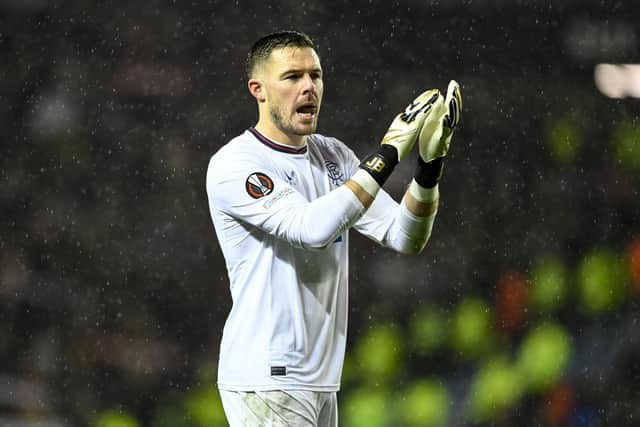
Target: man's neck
274 133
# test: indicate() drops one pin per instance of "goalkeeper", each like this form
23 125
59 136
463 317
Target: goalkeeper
282 200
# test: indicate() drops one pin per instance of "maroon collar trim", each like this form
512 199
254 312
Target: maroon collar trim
278 147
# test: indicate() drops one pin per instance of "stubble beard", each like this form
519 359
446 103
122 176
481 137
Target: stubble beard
288 127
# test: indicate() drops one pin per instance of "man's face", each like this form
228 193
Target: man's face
292 83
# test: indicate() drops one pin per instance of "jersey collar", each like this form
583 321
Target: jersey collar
275 146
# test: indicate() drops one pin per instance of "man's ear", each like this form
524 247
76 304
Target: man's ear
256 89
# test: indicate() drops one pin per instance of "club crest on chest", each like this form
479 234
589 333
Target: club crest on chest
334 173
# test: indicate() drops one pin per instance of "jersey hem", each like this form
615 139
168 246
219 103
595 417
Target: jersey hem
271 387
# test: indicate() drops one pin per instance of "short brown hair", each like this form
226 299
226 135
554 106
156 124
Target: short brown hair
263 47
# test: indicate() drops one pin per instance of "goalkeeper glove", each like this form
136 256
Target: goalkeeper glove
435 137
439 126
404 129
397 142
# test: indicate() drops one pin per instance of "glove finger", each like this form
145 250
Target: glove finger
422 104
454 116
454 102
453 91
428 96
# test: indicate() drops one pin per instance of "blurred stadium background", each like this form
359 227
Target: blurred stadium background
523 310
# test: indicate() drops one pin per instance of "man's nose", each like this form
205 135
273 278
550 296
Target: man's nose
308 84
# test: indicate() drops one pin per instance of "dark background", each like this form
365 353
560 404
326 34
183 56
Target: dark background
113 290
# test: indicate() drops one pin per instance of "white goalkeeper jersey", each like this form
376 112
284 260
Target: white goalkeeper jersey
281 216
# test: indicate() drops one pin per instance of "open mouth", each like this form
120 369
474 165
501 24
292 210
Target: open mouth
307 111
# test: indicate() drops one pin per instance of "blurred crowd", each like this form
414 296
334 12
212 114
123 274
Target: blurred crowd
523 308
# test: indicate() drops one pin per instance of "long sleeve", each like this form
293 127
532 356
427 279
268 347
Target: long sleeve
278 208
392 225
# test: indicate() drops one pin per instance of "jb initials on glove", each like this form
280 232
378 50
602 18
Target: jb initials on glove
406 126
397 142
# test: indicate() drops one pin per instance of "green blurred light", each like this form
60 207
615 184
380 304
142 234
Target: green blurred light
349 369
171 414
116 418
549 284
544 356
565 138
427 330
204 407
472 328
602 281
366 408
425 404
379 353
496 387
626 141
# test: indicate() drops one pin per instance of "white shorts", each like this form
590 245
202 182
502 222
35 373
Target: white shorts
290 408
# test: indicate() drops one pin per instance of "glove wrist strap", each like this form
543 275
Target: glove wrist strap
381 163
428 174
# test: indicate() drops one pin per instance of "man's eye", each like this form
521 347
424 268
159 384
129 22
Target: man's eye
292 77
